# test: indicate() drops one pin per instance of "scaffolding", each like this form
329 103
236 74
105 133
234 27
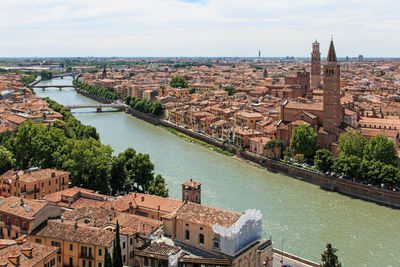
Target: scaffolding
173 260
246 230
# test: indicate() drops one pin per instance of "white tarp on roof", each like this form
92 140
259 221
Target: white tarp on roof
240 234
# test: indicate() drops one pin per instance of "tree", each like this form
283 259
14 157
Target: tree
117 254
349 165
323 160
231 90
158 187
6 160
352 143
370 170
381 148
304 140
178 82
89 163
271 144
299 158
107 259
329 258
390 175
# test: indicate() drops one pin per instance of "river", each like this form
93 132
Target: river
303 215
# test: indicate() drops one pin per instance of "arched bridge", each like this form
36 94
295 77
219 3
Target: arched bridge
52 86
98 107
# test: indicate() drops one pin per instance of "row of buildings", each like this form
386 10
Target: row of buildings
271 97
76 227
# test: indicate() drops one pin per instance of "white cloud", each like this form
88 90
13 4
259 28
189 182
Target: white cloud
196 28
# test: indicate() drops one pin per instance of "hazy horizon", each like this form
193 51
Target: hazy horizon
198 28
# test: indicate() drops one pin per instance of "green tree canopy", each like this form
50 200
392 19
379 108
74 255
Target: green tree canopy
117 253
7 160
304 140
271 144
381 148
323 160
158 187
349 165
352 143
231 90
329 258
178 82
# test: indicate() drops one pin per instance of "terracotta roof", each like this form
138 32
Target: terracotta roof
32 176
72 232
40 253
200 214
24 208
161 249
147 201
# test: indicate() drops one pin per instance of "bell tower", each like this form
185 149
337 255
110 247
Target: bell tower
315 66
191 191
333 111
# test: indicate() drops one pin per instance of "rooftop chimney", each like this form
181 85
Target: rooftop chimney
142 198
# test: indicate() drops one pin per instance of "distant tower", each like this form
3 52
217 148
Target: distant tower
191 191
259 53
265 74
315 65
333 110
104 74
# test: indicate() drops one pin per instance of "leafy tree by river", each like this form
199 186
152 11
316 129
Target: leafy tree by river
76 148
145 105
304 140
105 93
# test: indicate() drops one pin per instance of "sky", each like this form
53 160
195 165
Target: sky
198 28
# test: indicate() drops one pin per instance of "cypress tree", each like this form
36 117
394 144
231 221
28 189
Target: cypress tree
117 253
107 259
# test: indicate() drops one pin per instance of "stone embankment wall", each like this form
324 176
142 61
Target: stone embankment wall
347 187
97 98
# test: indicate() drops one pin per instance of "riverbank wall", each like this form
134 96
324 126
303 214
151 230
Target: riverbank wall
97 98
346 187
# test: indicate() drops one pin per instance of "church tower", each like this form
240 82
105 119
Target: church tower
191 191
315 65
333 111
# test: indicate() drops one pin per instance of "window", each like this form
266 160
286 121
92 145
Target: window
100 252
83 263
71 247
42 184
131 254
49 182
16 222
90 263
123 244
131 241
39 241
71 261
124 258
201 239
99 265
146 261
187 234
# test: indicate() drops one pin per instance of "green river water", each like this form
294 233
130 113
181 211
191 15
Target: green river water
302 214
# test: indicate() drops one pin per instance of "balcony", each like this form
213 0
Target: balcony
86 256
